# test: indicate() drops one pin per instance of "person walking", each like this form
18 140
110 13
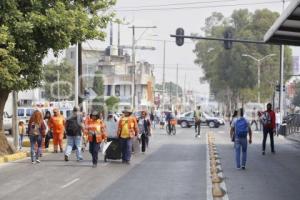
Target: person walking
268 120
197 117
254 118
95 130
49 135
111 126
233 119
22 132
144 125
127 130
74 128
152 119
278 120
36 131
240 128
57 125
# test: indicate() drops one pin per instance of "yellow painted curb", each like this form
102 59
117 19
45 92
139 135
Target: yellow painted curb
2 159
217 191
15 156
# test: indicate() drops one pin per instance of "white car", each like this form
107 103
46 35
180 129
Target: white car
7 122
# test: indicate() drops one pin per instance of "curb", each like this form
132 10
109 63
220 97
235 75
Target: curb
15 156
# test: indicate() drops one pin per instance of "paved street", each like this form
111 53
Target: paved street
173 168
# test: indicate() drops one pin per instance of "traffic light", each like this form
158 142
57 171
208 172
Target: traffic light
227 35
278 87
179 40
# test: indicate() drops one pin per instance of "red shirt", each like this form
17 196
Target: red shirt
273 119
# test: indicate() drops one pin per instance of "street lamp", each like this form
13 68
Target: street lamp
133 56
258 70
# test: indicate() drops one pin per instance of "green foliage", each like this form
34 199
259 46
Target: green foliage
169 86
296 99
98 84
112 103
28 29
227 71
66 80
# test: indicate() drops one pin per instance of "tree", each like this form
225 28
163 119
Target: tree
170 86
112 103
98 84
66 80
29 29
228 73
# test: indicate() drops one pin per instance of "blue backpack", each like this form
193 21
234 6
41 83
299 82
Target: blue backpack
241 128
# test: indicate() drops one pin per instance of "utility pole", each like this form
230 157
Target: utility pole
176 86
76 77
58 84
184 97
164 73
133 102
80 73
15 120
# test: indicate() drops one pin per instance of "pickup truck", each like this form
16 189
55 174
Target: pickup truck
7 122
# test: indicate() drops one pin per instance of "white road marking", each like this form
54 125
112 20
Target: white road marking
70 183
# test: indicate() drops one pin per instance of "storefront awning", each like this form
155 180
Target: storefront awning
286 29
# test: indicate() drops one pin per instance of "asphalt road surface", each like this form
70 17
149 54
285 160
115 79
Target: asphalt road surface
174 167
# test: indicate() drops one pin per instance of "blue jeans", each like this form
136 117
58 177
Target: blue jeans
71 141
33 140
126 145
21 136
240 144
94 148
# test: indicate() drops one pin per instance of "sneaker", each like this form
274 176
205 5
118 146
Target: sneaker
273 152
263 153
66 158
79 159
38 161
238 168
61 150
32 162
94 165
243 167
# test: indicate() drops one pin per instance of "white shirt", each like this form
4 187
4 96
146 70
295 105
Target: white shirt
277 116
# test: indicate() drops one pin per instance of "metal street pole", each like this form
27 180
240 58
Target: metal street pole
258 70
164 73
133 102
15 119
176 86
76 77
58 77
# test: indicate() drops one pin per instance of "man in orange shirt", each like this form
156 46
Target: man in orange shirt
127 129
57 124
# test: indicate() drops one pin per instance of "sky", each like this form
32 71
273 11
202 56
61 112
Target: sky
191 19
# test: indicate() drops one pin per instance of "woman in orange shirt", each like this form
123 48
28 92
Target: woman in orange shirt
95 130
57 124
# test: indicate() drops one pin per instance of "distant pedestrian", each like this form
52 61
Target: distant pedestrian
152 119
74 128
57 125
127 130
162 120
254 118
49 135
22 132
95 130
111 124
278 119
240 128
144 125
36 131
268 120
197 117
233 119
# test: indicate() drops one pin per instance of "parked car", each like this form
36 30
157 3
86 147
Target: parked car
7 122
186 120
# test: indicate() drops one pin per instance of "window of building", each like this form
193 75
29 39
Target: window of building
108 91
117 90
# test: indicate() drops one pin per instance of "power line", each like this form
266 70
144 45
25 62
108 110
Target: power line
196 7
174 4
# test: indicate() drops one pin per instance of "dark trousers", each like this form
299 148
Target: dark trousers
267 131
94 149
145 140
197 127
126 145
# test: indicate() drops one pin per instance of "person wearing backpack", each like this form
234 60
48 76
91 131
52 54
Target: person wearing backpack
268 119
127 130
36 132
74 127
240 128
